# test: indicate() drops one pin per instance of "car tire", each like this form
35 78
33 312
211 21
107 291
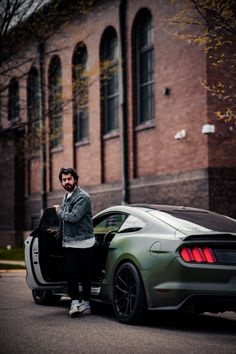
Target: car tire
129 301
44 297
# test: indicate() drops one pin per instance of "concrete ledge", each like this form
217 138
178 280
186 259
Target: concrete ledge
21 263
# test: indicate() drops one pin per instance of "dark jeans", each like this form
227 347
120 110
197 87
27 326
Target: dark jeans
78 268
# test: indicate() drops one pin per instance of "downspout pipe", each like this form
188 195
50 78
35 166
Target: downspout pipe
42 110
124 130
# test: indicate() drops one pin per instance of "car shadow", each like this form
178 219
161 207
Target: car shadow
210 323
206 322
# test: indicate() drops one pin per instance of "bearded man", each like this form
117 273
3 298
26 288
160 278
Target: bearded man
77 240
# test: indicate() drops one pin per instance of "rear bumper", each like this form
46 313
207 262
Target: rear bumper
202 303
199 289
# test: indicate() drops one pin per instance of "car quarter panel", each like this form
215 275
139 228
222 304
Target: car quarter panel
167 279
136 249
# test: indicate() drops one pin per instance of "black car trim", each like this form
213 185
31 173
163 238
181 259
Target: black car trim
212 236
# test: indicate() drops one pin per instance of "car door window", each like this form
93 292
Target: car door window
110 222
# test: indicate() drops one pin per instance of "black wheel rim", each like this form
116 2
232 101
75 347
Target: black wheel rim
125 293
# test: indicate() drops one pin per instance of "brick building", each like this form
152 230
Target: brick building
130 119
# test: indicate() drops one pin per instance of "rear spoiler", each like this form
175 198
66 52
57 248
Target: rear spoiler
219 236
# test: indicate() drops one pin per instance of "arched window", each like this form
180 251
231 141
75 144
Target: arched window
80 92
109 80
144 67
33 108
13 100
55 102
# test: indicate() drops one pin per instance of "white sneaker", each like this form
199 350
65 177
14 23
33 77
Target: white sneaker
74 308
84 308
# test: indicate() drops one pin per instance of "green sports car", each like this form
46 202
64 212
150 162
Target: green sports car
146 257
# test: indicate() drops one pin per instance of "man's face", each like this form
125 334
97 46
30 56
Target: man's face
68 182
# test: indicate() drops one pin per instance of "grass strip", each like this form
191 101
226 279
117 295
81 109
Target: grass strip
14 254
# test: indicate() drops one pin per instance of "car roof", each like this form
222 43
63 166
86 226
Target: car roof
148 207
169 208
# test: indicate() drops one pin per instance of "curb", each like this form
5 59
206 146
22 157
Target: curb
9 262
22 263
12 271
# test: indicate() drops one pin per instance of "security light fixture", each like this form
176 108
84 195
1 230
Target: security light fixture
208 129
181 135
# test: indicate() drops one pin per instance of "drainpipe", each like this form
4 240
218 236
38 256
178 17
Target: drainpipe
124 140
42 110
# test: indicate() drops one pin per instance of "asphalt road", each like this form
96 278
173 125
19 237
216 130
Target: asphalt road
30 329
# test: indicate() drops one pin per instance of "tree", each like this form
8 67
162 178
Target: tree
215 21
24 21
31 22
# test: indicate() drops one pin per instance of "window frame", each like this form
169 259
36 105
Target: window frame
55 102
13 100
109 64
80 84
33 109
144 115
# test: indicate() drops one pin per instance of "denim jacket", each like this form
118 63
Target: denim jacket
76 216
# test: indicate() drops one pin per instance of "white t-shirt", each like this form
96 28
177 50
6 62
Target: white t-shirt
80 244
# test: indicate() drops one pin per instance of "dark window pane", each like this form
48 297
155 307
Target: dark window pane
145 69
82 125
33 109
146 66
13 100
109 83
146 33
112 83
55 102
112 107
80 93
147 102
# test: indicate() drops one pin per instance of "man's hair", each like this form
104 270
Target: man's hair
67 171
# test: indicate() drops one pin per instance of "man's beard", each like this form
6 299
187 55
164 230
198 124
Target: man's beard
69 187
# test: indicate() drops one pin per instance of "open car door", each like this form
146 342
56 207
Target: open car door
46 249
44 259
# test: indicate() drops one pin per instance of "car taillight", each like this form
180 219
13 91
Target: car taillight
198 255
209 254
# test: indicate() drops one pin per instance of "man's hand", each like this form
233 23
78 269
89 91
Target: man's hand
54 231
57 208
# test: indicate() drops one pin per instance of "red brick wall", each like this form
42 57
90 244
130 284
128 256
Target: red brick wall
161 168
112 160
178 66
35 175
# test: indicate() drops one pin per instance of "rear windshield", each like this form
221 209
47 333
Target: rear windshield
196 221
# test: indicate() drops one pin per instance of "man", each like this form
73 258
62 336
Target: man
77 240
